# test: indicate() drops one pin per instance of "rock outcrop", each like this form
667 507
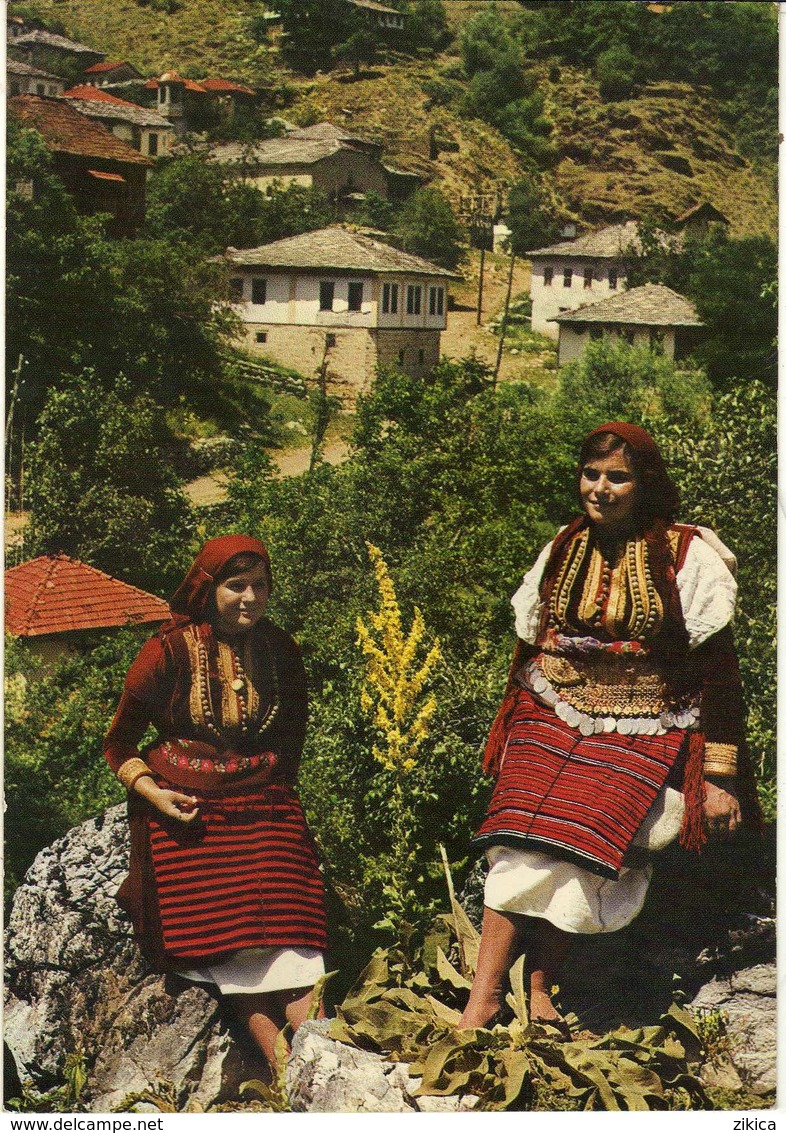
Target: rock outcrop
75 981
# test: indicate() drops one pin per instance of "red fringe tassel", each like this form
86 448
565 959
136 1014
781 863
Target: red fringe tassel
693 835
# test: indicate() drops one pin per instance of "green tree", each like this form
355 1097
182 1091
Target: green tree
427 226
530 216
312 29
616 71
55 721
426 26
483 40
100 487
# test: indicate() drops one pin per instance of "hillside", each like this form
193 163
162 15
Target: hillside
664 149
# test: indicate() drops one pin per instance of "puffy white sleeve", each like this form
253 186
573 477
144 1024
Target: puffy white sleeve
707 589
526 601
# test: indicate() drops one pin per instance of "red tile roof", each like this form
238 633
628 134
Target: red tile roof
99 68
173 77
57 594
96 94
65 130
224 85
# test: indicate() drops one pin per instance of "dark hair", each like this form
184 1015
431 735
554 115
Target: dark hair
245 560
659 497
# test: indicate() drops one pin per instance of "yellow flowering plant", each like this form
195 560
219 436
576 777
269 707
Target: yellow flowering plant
394 696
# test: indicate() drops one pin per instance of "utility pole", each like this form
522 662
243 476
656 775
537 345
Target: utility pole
504 325
480 285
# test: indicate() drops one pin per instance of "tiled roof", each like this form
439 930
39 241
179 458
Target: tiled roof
334 248
101 104
704 209
65 130
173 77
57 594
375 7
326 130
224 85
102 68
15 67
653 305
49 39
611 242
277 151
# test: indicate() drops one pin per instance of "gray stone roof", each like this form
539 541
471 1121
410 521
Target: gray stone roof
609 242
653 305
277 151
15 67
137 115
337 249
49 39
326 130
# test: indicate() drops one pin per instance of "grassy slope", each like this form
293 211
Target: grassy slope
612 155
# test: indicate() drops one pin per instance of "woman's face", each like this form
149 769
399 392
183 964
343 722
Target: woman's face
241 600
609 490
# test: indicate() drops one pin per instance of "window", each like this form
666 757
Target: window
15 88
330 340
236 289
436 301
596 332
261 336
629 335
401 357
389 298
548 276
587 277
413 299
326 292
162 94
152 144
567 277
355 296
421 357
612 279
258 290
40 88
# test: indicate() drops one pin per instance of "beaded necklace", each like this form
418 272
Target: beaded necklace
619 598
240 701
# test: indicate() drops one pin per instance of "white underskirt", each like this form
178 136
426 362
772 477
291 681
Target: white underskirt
254 970
535 884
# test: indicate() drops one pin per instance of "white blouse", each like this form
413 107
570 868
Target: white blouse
706 586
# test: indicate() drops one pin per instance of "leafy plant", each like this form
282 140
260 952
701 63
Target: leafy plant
65 1098
404 1006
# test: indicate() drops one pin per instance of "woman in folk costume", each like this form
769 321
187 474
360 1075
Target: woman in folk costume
224 884
622 722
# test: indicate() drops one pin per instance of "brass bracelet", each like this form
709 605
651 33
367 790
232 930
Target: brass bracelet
131 770
720 759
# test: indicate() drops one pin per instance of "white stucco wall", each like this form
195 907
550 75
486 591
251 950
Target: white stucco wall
294 299
573 340
548 300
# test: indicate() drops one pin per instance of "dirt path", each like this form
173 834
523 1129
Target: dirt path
463 335
212 489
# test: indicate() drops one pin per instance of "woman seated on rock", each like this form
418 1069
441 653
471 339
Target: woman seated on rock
224 886
622 723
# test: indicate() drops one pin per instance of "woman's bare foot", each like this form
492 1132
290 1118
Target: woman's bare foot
480 1012
541 1009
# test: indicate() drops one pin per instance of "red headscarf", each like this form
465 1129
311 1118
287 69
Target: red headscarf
190 598
638 439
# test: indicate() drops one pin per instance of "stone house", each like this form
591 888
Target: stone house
102 172
338 298
143 129
652 316
54 52
573 272
699 219
107 73
193 106
379 16
322 157
23 78
57 605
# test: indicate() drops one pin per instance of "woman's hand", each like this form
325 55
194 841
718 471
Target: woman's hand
721 808
169 803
